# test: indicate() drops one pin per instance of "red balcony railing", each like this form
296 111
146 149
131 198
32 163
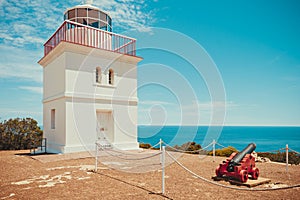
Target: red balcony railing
76 33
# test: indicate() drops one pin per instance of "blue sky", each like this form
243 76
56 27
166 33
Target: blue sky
254 45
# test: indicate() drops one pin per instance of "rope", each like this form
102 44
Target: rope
220 145
225 186
143 158
294 151
156 145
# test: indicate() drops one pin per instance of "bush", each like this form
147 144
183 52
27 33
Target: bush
193 147
16 134
281 157
225 152
145 146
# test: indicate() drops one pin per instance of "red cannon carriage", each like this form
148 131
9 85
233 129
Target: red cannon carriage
239 165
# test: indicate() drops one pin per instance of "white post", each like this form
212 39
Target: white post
287 157
214 150
163 170
160 149
96 159
160 144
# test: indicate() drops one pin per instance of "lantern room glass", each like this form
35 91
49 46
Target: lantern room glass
89 16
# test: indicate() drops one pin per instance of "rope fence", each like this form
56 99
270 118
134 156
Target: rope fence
165 149
225 186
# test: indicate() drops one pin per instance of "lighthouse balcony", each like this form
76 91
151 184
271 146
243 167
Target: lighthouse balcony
85 35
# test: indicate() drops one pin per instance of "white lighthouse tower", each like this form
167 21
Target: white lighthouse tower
90 84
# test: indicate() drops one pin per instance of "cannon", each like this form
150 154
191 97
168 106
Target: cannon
239 165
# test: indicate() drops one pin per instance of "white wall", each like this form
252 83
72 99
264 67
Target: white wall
56 138
54 77
70 87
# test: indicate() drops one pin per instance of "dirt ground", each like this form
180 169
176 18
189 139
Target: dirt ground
26 177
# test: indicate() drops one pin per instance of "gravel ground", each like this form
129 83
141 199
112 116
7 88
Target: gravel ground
26 177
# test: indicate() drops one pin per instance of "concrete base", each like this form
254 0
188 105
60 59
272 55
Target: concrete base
55 148
249 183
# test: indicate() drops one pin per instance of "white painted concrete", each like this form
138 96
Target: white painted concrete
71 89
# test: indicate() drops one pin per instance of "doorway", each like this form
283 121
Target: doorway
105 126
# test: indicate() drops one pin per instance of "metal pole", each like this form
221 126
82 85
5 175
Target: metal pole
287 157
163 170
214 150
96 159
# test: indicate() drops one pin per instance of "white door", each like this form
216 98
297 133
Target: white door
104 126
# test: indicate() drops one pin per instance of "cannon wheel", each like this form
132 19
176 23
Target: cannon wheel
255 173
243 176
218 172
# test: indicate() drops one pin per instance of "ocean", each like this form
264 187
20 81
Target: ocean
266 138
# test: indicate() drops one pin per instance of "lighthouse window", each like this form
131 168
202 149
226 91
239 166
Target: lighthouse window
81 21
93 14
98 75
81 12
93 23
71 14
103 17
52 118
66 16
111 77
109 20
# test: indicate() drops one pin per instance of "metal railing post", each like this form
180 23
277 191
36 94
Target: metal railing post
96 158
214 150
287 157
163 170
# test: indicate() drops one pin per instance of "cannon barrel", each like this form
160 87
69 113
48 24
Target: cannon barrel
239 156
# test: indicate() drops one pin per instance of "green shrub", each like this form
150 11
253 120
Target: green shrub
20 133
225 152
193 147
145 145
281 157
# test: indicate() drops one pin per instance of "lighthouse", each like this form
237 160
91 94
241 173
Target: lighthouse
89 84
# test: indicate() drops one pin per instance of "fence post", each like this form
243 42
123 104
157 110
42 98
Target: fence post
160 149
160 144
163 170
214 150
287 157
96 159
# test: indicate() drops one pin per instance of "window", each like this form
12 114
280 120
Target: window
98 75
52 118
111 77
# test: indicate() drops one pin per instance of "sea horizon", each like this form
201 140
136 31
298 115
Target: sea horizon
266 138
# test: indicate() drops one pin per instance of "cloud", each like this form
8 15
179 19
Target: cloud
38 90
208 106
129 14
152 103
20 64
29 23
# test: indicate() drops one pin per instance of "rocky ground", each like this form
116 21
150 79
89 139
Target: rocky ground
28 177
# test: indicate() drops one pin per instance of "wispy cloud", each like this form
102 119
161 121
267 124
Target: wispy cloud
130 14
38 90
208 106
20 64
152 103
29 23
